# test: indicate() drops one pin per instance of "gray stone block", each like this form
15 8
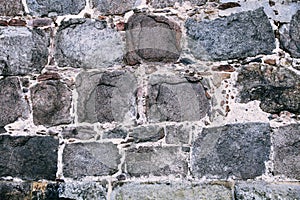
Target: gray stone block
90 159
151 133
151 39
287 151
112 7
116 133
177 134
171 3
27 157
238 150
51 103
22 50
106 97
79 132
11 7
172 98
87 43
237 36
14 190
157 161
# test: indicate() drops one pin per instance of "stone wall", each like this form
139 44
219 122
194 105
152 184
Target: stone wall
149 99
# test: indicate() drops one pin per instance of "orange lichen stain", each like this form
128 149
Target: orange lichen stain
39 186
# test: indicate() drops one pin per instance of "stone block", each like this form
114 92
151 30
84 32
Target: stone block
177 134
14 190
112 7
116 133
151 133
171 3
79 132
11 7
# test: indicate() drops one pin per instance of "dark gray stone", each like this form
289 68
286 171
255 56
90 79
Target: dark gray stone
171 3
151 39
172 98
177 134
14 190
277 88
22 50
90 159
106 97
150 133
11 7
287 151
12 103
45 191
157 161
112 7
238 150
51 103
263 190
115 133
238 36
87 43
28 157
79 132
55 7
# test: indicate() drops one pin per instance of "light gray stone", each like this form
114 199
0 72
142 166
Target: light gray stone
113 7
11 7
177 134
150 133
171 3
79 132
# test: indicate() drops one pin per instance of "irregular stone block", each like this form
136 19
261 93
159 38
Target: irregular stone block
11 7
79 132
151 133
12 103
28 157
44 191
263 190
287 151
171 3
238 150
106 97
51 103
240 35
90 159
151 39
172 98
55 7
156 161
177 134
178 191
22 50
112 7
86 43
14 190
277 88
115 133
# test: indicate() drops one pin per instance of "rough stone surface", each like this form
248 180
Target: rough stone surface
156 161
115 133
11 101
238 150
106 97
22 50
114 7
14 191
287 151
220 40
277 88
171 3
263 190
147 133
28 157
290 36
44 191
11 7
79 132
172 98
55 7
86 43
90 159
178 191
177 134
51 103
152 39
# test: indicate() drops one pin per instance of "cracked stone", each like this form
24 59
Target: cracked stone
79 132
113 7
11 7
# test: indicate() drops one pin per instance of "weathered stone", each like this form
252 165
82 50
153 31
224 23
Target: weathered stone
12 104
263 190
151 38
11 7
90 159
277 88
51 103
178 191
172 98
171 3
287 151
151 133
290 35
156 161
28 157
106 97
238 36
44 191
87 43
22 50
115 133
55 7
113 7
238 150
79 132
14 190
177 134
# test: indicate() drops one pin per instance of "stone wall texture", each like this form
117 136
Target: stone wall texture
149 99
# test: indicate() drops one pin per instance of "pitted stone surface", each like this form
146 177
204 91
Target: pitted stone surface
14 191
90 159
55 7
157 161
86 43
150 133
171 3
11 7
22 50
238 150
238 36
172 98
106 97
51 103
177 134
28 157
114 7
151 39
287 151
